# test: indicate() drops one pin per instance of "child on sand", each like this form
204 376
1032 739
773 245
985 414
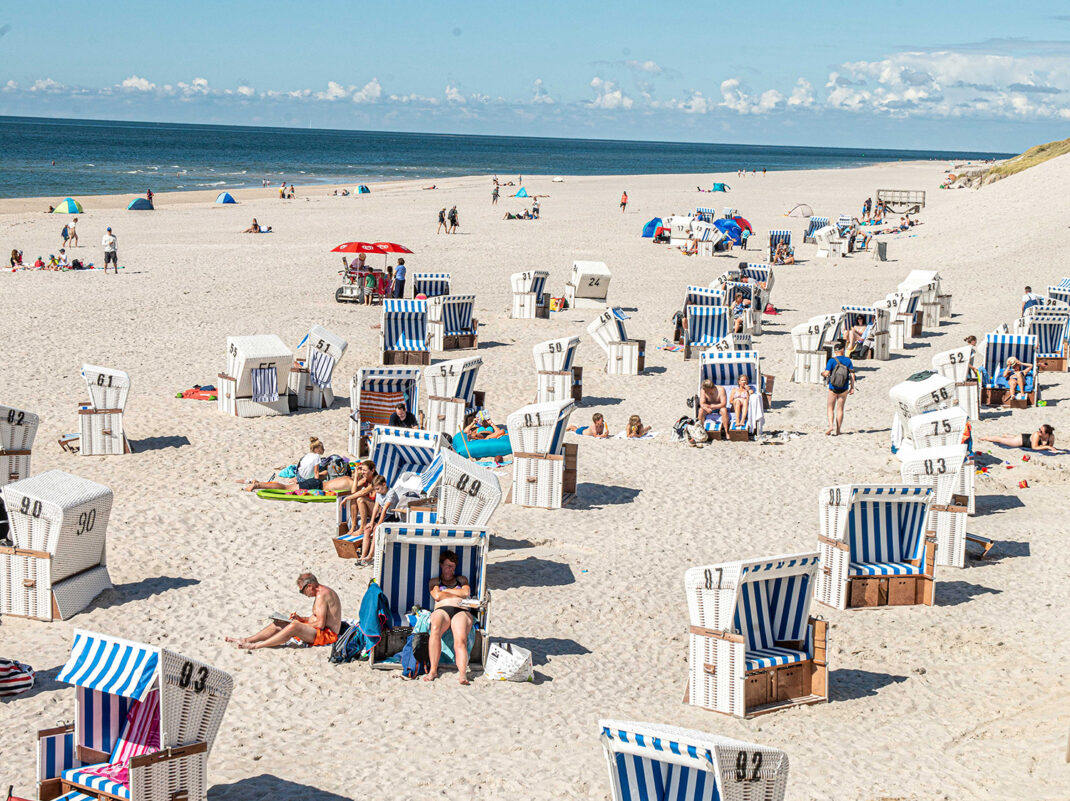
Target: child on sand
597 428
636 429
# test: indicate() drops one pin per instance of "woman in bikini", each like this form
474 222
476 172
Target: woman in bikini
740 400
1016 373
1043 439
449 590
361 500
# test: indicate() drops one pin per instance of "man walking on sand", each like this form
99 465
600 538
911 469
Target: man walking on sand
319 628
840 372
111 254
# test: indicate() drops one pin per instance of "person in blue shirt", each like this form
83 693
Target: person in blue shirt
399 279
840 373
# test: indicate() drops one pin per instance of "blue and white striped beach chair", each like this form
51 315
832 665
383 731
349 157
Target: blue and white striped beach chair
406 559
452 398
1050 328
558 376
729 213
624 356
761 274
403 334
311 373
373 395
652 762
450 320
145 720
874 341
815 225
994 387
1061 291
874 546
776 238
705 214
529 294
724 368
753 645
706 327
544 467
431 285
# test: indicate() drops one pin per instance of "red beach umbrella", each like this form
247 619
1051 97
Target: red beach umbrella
359 247
742 223
392 247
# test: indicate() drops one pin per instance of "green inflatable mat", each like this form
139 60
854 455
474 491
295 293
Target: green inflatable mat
290 495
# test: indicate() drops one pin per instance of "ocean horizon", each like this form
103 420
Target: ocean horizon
94 157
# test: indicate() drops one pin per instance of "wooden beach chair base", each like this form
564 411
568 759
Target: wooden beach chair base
1051 364
416 358
996 396
460 341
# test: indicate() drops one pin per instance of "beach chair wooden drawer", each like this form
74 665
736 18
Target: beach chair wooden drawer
407 357
869 592
776 685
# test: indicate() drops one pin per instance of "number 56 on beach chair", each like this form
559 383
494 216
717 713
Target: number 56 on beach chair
145 722
665 763
754 647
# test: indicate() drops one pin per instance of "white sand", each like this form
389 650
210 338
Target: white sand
966 700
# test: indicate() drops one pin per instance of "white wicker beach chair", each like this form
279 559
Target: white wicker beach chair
874 548
653 762
752 316
994 389
452 398
403 333
907 315
875 339
145 722
256 379
58 564
311 373
544 466
724 368
530 299
468 494
431 285
624 356
588 285
559 378
958 366
406 559
17 431
100 420
373 394
1050 326
830 243
450 321
813 342
935 429
754 647
927 282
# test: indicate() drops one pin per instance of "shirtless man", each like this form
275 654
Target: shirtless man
319 628
712 400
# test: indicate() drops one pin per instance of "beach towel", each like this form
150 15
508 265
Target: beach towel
15 677
320 368
624 435
265 385
364 634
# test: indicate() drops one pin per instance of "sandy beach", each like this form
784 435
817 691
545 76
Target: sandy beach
968 699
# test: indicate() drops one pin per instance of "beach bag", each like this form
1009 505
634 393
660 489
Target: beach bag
840 375
15 677
335 466
415 660
66 232
679 428
350 645
696 432
506 662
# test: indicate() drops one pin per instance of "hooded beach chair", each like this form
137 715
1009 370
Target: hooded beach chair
845 225
812 342
724 368
17 431
752 315
938 428
310 375
729 213
544 467
58 524
624 356
949 472
760 274
696 296
829 242
708 236
705 214
875 339
927 283
1061 291
466 494
1050 327
874 546
994 388
815 225
406 559
256 379
652 762
100 420
753 646
906 316
559 378
588 285
145 720
707 326
958 366
373 395
452 399
925 391
529 295
403 333
450 320
777 237
431 285
402 450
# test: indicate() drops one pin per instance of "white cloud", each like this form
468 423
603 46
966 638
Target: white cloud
246 91
697 103
610 97
48 86
335 91
651 67
369 93
10 86
541 95
802 96
736 98
453 94
137 84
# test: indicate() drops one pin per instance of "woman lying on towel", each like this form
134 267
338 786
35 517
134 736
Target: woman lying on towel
314 472
257 228
1043 439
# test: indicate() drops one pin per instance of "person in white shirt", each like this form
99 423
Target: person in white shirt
1029 299
111 256
72 234
61 260
310 476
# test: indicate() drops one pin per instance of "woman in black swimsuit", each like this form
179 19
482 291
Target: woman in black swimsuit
448 590
1043 439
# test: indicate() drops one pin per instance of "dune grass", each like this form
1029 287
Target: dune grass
1031 158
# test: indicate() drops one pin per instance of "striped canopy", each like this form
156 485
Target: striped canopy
431 284
457 314
110 665
816 224
725 368
885 525
706 325
375 391
1000 347
404 325
400 450
1050 329
703 296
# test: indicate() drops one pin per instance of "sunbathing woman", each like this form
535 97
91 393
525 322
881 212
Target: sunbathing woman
1043 439
782 256
1015 373
856 334
740 400
310 475
361 500
484 428
636 429
739 308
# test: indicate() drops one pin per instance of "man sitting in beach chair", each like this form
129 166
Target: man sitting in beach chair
713 403
319 628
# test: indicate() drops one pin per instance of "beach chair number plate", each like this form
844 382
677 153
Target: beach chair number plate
751 772
322 346
185 677
86 521
100 380
939 396
835 497
555 347
27 509
444 370
945 424
940 467
528 422
594 282
473 488
15 417
957 358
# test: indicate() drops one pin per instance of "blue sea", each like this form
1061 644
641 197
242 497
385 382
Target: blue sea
101 157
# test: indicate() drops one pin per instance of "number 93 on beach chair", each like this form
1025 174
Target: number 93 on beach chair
145 720
664 763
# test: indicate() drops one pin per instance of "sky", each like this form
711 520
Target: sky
941 74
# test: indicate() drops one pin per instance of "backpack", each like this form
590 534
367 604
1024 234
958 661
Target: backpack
66 232
335 466
415 659
840 375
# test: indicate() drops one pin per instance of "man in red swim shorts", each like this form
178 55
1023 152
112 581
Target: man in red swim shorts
319 628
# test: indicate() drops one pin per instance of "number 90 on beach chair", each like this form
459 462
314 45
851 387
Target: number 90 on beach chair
558 377
256 380
666 763
624 356
310 376
754 648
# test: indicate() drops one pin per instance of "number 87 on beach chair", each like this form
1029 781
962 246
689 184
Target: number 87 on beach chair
754 647
665 763
145 721
875 550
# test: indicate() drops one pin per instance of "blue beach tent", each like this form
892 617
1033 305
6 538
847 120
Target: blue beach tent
68 206
363 190
225 197
651 227
139 204
522 193
718 187
731 229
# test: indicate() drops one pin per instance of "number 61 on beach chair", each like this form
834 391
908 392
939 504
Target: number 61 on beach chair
100 421
665 763
145 722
